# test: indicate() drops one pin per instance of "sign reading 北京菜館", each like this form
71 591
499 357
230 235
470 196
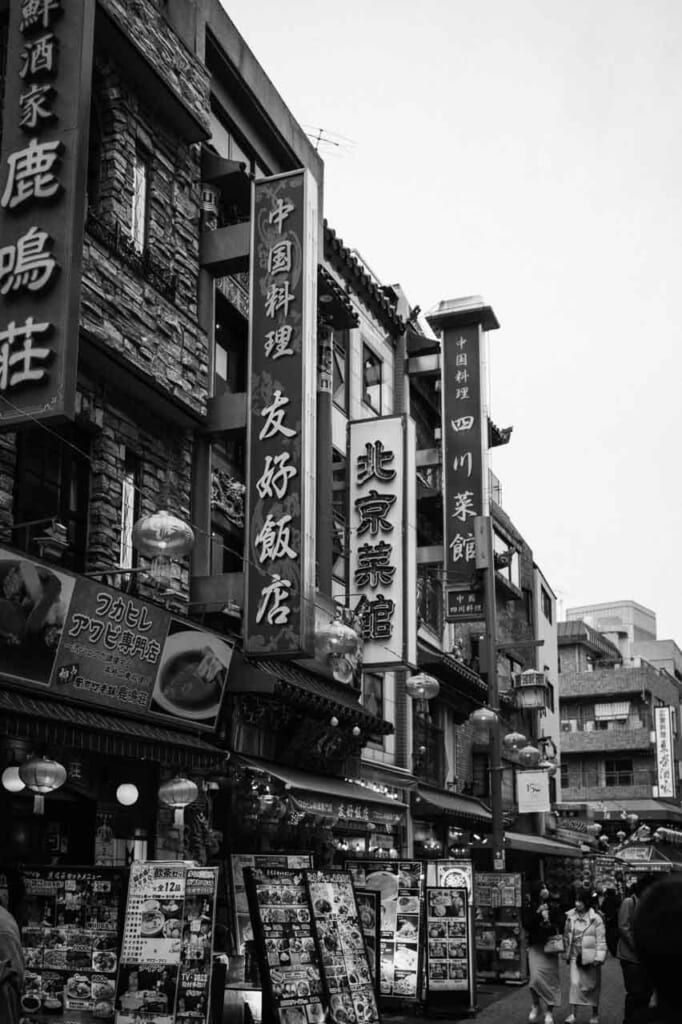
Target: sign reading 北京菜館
43 164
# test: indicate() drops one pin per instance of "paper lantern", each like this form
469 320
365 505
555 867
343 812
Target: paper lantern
11 780
336 638
162 536
529 756
42 775
127 794
422 686
483 718
178 793
513 741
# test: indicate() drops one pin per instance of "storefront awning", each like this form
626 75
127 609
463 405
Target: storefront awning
461 680
649 810
328 796
542 845
434 802
56 724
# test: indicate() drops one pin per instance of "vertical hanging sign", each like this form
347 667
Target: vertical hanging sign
43 166
664 752
279 569
463 452
383 572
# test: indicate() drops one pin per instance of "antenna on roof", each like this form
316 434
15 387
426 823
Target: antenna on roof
327 138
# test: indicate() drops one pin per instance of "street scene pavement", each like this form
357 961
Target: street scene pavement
510 1004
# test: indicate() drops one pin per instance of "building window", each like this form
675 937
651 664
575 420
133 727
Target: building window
139 221
546 604
229 350
340 370
564 775
371 379
618 772
52 481
130 509
373 693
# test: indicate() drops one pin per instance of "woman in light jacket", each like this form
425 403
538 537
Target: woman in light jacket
585 945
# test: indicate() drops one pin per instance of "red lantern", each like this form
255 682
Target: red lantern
178 793
42 775
162 536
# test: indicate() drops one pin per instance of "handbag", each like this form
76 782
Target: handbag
554 944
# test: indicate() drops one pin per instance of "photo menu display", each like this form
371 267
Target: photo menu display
286 946
338 928
399 884
166 954
447 946
71 942
239 861
369 909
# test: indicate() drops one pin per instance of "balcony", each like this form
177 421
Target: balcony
588 741
596 784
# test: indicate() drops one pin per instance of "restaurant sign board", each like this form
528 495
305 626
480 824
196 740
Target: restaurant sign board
74 637
664 753
45 119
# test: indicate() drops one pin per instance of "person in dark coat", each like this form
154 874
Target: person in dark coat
637 985
11 968
543 919
657 933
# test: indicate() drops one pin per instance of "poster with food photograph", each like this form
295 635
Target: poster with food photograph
286 946
345 966
238 861
71 940
400 888
447 939
369 909
498 933
166 953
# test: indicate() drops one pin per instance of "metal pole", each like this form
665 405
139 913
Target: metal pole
488 565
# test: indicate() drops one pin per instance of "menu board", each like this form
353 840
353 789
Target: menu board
447 945
499 936
369 909
71 939
399 884
336 921
243 932
286 946
167 948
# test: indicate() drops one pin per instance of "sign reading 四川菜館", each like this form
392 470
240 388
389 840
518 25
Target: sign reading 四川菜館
43 163
279 561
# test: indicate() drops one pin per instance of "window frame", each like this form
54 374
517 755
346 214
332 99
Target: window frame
340 344
139 210
369 356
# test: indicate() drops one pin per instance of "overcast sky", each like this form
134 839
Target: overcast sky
529 151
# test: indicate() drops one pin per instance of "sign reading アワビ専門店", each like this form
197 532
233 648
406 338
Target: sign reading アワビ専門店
43 165
279 562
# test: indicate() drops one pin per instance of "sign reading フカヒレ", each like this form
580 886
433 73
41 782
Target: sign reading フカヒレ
279 563
43 165
382 519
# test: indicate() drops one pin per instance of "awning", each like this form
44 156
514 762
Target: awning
25 717
461 680
541 845
304 689
430 802
653 810
329 796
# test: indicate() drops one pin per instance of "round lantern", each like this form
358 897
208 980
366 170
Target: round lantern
356 730
162 536
594 828
11 780
632 819
529 756
42 775
127 794
620 835
483 718
336 638
422 686
513 741
178 793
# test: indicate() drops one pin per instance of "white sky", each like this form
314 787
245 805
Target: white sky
529 151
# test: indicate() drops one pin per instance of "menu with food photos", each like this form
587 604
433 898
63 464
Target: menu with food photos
400 888
293 990
448 940
243 932
345 967
167 948
71 941
369 909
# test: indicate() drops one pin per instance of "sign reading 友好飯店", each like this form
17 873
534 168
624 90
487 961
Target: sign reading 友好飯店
382 518
463 462
43 163
664 752
74 637
279 562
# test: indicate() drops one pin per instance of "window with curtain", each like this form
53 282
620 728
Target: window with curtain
139 221
371 379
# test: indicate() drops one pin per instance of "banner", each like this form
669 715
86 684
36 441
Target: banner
664 753
532 791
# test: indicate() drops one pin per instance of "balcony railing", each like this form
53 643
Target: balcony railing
108 232
605 781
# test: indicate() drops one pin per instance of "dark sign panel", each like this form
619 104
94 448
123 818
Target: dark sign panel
78 638
279 566
448 940
465 605
42 205
463 450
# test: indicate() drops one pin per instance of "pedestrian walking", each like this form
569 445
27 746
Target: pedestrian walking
638 988
11 967
658 944
585 945
608 908
544 921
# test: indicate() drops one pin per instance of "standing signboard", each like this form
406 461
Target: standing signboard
399 885
448 973
499 935
279 563
45 120
167 949
71 937
457 874
382 519
369 909
243 932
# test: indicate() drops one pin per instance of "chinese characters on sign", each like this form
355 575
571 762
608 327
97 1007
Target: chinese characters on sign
382 542
280 556
465 605
664 752
463 464
43 163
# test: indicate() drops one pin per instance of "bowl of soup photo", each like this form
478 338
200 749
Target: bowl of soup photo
192 674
